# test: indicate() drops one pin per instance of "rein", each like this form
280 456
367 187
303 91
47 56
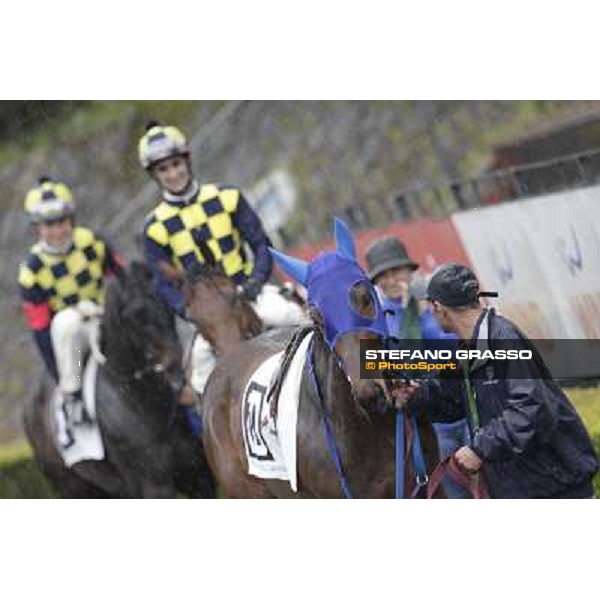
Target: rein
475 484
329 436
407 435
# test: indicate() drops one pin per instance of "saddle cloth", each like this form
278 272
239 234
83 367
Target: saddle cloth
81 441
271 451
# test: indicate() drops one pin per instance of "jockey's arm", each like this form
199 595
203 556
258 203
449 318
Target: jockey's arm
113 260
155 254
251 230
38 316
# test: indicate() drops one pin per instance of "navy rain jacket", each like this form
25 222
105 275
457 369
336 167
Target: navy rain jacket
532 441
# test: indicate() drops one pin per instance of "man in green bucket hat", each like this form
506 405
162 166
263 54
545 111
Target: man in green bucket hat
403 294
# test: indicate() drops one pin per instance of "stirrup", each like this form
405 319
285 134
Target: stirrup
76 410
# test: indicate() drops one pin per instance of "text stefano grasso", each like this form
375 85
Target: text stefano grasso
383 354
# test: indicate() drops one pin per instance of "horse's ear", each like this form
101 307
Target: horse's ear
170 273
294 267
344 240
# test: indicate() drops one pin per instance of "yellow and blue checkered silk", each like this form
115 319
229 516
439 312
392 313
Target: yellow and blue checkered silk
178 229
65 279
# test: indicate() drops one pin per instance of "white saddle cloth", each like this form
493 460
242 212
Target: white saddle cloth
271 451
81 441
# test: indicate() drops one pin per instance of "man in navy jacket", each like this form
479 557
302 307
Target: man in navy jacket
526 437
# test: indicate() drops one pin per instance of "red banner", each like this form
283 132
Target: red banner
429 243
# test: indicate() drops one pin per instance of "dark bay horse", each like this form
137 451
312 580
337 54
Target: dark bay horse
150 449
344 309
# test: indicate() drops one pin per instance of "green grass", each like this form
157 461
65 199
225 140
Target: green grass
587 402
20 478
14 452
86 118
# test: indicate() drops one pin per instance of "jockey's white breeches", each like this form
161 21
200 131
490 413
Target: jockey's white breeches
72 330
273 309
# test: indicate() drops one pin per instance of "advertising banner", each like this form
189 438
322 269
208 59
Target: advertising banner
543 256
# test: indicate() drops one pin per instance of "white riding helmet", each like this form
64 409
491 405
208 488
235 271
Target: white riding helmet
160 142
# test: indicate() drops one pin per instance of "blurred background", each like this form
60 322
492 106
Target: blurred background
508 187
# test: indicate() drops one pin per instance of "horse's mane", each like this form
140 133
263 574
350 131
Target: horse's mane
131 306
203 271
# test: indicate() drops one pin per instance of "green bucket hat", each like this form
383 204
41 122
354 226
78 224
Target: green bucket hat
387 253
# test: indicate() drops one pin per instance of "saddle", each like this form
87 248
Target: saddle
279 376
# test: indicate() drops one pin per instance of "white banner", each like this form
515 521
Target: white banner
543 256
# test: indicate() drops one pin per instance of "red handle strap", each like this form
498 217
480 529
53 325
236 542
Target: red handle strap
475 484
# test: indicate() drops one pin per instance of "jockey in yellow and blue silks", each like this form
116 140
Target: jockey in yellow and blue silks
61 284
188 213
191 215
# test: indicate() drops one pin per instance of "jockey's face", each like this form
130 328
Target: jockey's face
394 282
173 174
56 233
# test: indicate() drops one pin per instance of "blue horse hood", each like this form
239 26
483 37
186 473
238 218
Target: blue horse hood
330 279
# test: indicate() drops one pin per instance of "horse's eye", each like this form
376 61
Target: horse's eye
362 300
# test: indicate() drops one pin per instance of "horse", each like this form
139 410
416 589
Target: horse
86 479
358 414
214 305
151 451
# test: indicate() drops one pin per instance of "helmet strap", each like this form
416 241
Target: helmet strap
50 249
187 196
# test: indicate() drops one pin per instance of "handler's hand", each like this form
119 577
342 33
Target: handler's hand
467 460
403 393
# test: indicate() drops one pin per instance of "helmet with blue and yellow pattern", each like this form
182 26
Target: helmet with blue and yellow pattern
49 201
160 142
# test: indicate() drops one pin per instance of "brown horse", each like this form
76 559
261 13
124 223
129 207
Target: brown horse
344 310
218 311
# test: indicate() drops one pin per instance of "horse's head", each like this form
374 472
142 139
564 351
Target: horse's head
214 304
141 328
344 306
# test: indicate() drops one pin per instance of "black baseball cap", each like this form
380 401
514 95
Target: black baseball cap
453 284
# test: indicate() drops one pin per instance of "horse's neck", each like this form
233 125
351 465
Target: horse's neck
226 338
364 441
334 387
121 356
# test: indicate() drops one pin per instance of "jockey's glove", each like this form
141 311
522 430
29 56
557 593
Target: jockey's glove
89 309
251 289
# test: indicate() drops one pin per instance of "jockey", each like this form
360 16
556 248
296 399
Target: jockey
62 287
191 215
408 317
